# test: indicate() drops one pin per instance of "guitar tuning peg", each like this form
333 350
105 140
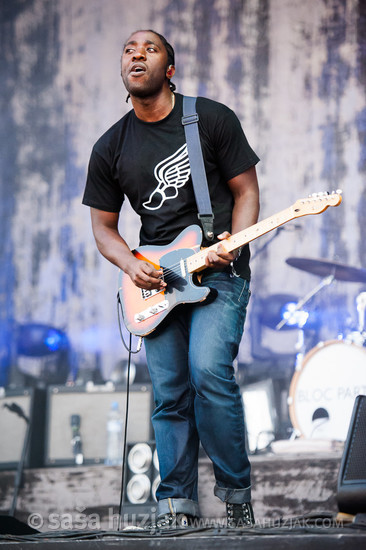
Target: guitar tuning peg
339 191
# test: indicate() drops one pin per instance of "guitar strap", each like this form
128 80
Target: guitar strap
190 123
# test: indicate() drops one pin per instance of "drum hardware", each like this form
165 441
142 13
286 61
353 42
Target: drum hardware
287 318
361 306
329 377
330 271
356 337
324 268
301 316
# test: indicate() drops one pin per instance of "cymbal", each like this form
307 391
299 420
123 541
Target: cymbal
324 268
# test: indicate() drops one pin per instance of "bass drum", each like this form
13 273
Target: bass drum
322 392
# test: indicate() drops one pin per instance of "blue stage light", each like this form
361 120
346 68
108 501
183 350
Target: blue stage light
38 340
54 340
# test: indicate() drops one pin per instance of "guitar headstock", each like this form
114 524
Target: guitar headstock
317 203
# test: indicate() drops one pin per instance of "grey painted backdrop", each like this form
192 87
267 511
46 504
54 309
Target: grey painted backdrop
294 72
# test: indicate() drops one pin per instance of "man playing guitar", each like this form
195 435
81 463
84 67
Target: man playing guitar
190 354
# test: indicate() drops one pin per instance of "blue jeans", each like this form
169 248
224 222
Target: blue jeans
190 360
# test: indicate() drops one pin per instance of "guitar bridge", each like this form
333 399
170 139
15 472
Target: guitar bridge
152 310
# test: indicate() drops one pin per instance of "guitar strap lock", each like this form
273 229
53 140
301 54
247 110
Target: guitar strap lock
207 225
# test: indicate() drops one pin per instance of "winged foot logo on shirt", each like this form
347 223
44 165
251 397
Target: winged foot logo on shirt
171 174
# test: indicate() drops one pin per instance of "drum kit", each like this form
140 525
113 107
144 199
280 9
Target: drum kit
328 378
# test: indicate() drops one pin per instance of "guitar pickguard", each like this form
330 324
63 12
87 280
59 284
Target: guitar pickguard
144 310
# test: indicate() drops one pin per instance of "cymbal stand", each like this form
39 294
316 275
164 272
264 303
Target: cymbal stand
361 307
324 282
300 344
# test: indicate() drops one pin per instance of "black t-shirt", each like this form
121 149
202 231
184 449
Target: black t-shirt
148 163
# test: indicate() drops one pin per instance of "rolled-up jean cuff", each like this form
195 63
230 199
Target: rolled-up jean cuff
178 506
233 496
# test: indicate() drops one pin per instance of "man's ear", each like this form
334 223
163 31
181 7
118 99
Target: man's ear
170 71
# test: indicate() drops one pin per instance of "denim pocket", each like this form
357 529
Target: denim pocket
245 293
234 288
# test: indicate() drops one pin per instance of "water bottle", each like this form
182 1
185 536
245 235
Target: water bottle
114 436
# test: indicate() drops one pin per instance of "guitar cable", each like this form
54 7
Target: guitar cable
124 444
127 348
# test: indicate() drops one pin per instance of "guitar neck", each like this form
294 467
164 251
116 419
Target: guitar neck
196 262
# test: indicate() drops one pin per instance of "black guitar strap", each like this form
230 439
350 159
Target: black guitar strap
190 123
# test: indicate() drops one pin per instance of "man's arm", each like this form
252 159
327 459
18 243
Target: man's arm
244 188
113 247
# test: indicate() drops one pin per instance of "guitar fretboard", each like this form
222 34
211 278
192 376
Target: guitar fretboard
196 262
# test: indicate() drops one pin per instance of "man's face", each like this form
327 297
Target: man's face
144 64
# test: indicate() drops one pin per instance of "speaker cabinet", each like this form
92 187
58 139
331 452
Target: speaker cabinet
141 482
351 495
13 427
92 404
142 477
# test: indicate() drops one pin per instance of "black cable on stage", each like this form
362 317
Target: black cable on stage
125 437
130 352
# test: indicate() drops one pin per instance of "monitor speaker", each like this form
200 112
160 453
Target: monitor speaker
91 404
351 494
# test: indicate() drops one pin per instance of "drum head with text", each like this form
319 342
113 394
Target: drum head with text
323 391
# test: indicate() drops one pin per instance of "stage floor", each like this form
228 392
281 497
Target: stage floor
294 499
303 534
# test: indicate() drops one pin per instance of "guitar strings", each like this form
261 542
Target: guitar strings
175 266
169 274
172 269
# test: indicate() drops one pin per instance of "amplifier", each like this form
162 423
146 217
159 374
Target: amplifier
13 427
92 404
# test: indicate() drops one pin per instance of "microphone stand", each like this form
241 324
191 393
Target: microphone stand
19 474
76 443
267 243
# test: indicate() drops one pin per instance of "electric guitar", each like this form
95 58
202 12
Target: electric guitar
143 310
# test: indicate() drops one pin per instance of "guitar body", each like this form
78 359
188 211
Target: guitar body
144 310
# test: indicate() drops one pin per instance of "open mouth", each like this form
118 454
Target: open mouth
137 69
